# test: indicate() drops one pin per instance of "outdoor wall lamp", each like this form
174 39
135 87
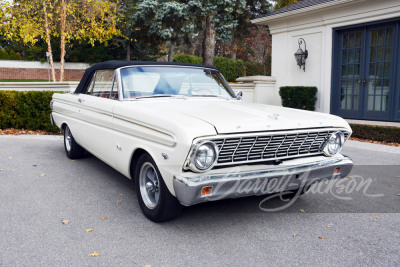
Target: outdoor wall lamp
301 55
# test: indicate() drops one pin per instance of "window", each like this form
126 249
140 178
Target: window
102 83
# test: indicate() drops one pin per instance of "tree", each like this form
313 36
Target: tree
282 3
217 18
167 19
85 20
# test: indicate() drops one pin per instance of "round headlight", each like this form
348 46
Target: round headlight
334 144
204 156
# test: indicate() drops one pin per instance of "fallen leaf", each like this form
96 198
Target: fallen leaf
294 235
65 221
327 198
119 201
88 230
1 170
104 218
145 265
121 195
301 210
321 237
391 185
398 195
349 176
94 254
397 176
328 226
47 153
377 217
42 175
9 157
73 159
20 175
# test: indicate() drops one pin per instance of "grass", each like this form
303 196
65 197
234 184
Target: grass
23 80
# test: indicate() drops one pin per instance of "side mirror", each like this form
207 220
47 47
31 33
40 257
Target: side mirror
239 95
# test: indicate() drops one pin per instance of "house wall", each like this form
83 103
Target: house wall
316 28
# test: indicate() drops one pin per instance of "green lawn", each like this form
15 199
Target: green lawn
23 80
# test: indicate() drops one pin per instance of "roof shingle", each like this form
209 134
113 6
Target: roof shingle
298 5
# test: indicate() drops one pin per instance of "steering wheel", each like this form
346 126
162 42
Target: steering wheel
197 90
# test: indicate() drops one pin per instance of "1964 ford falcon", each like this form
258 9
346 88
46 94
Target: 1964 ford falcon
185 137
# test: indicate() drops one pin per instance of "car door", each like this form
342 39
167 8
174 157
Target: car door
96 113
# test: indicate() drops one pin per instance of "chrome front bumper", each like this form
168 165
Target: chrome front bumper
258 182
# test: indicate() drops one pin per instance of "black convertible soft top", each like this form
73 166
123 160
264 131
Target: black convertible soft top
115 64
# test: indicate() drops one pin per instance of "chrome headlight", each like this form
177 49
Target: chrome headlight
334 144
203 156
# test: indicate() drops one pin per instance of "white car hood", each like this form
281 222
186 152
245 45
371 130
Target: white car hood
233 116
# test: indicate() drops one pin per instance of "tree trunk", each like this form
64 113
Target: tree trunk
62 37
128 49
171 52
209 42
46 25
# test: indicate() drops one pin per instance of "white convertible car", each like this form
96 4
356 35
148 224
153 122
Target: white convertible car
185 137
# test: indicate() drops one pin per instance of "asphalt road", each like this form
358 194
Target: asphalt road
40 187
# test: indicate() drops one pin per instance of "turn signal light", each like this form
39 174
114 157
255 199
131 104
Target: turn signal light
206 190
336 170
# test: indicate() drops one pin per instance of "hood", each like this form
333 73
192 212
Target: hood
232 116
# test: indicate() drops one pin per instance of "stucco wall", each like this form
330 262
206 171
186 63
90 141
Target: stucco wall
316 27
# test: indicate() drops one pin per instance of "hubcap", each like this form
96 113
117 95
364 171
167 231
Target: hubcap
68 139
149 185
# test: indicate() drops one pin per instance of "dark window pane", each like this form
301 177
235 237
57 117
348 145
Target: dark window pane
381 53
344 71
385 103
381 36
356 86
351 40
389 35
387 70
370 104
345 40
357 56
374 36
388 53
358 39
351 56
342 102
344 57
348 101
372 70
372 57
379 70
350 70
356 71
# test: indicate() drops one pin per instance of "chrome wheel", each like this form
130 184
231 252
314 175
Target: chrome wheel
67 139
149 185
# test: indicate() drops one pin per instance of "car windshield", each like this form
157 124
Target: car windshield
169 81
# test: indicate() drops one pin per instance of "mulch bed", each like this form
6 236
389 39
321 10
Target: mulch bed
39 132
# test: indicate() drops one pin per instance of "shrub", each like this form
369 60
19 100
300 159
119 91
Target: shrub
231 69
28 110
376 133
188 59
300 97
254 68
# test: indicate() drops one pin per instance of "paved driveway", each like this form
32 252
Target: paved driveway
40 187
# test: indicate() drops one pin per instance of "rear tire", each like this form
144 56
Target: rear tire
72 148
155 200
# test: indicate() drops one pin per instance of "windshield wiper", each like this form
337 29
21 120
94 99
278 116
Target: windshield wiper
217 96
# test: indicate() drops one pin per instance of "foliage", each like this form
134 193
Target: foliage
254 68
282 3
27 110
8 54
231 69
376 133
188 59
300 97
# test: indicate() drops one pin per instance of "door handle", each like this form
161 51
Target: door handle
81 100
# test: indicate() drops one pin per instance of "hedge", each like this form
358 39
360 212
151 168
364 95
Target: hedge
300 97
376 133
26 110
188 59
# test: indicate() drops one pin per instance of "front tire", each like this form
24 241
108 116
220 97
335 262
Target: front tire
72 148
155 200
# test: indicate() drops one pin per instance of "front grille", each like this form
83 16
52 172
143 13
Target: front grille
268 147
